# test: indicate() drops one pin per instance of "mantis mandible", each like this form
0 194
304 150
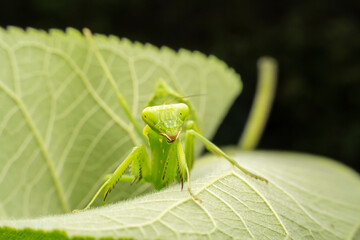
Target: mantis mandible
170 130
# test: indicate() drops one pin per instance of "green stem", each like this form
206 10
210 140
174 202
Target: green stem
267 74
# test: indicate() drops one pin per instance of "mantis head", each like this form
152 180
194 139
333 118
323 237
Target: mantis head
166 120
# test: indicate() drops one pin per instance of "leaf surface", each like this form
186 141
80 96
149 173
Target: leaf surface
62 128
308 197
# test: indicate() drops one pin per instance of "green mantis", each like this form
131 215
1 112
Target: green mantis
169 135
170 130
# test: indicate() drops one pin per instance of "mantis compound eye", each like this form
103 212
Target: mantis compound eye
183 111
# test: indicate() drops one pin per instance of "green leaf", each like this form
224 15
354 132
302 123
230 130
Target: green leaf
62 129
61 126
307 197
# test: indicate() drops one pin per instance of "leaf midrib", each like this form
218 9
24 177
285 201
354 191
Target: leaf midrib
49 162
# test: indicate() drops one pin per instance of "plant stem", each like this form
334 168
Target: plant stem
260 110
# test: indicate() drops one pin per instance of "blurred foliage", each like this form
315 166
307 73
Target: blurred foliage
317 45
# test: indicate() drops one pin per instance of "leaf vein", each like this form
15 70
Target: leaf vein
40 142
305 211
265 201
233 210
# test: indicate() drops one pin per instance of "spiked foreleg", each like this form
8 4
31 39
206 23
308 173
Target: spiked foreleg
139 161
140 167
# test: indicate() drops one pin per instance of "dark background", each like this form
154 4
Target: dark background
317 45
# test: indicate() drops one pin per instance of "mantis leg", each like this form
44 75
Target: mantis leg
213 148
125 178
140 166
189 143
185 173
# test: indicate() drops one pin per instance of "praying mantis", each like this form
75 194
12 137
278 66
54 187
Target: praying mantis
170 131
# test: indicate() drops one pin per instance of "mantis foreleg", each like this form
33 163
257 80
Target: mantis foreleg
139 161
